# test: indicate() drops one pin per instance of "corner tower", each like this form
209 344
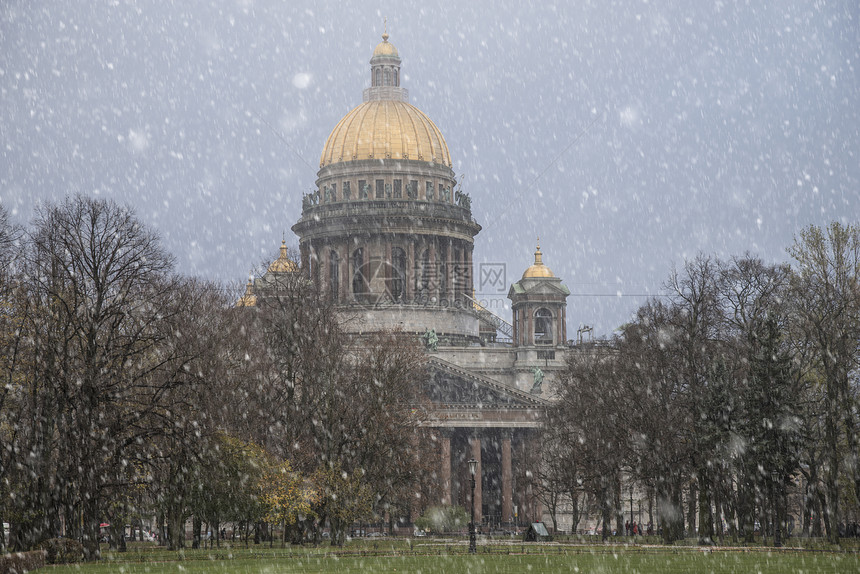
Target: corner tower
387 234
539 305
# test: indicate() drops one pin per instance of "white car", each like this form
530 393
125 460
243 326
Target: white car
145 536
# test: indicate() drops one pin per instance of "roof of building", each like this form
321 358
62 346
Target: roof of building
385 48
248 299
385 129
283 264
538 270
385 126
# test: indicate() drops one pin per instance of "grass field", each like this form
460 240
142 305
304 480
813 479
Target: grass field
433 558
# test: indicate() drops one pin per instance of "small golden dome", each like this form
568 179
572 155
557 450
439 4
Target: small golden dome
248 299
385 48
385 129
538 270
283 264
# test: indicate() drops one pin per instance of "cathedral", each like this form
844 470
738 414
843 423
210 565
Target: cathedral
388 236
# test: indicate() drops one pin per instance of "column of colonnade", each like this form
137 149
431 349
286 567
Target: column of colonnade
458 273
474 445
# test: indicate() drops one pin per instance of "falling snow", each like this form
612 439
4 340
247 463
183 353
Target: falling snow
717 127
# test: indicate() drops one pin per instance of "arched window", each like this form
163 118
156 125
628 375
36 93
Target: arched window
398 273
543 327
334 274
387 75
378 81
359 283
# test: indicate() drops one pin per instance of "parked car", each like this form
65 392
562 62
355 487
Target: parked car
145 536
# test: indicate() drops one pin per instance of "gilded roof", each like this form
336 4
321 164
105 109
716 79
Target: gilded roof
385 129
248 299
538 270
283 264
385 48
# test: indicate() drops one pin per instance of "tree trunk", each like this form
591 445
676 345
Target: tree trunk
196 527
671 505
619 509
650 508
175 527
160 528
90 538
706 516
605 508
691 511
831 434
574 511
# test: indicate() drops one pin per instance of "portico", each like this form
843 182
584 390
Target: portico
493 424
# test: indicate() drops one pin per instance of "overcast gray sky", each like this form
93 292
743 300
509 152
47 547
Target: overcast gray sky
627 135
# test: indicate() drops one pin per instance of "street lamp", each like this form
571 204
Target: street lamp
777 538
473 466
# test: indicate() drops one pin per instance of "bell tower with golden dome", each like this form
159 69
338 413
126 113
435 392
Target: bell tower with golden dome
387 233
539 305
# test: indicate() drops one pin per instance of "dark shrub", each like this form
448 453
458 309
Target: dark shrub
63 550
20 562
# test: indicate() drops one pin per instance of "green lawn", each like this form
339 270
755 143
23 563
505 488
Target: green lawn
443 558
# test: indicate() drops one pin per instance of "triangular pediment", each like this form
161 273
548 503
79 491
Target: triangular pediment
448 385
533 287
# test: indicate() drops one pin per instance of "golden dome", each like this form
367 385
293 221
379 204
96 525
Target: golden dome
385 48
248 299
538 270
385 129
283 264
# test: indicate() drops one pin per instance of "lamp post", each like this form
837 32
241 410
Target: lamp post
777 535
473 466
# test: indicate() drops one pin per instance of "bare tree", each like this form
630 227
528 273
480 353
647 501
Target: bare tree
12 307
826 293
100 287
323 400
592 427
